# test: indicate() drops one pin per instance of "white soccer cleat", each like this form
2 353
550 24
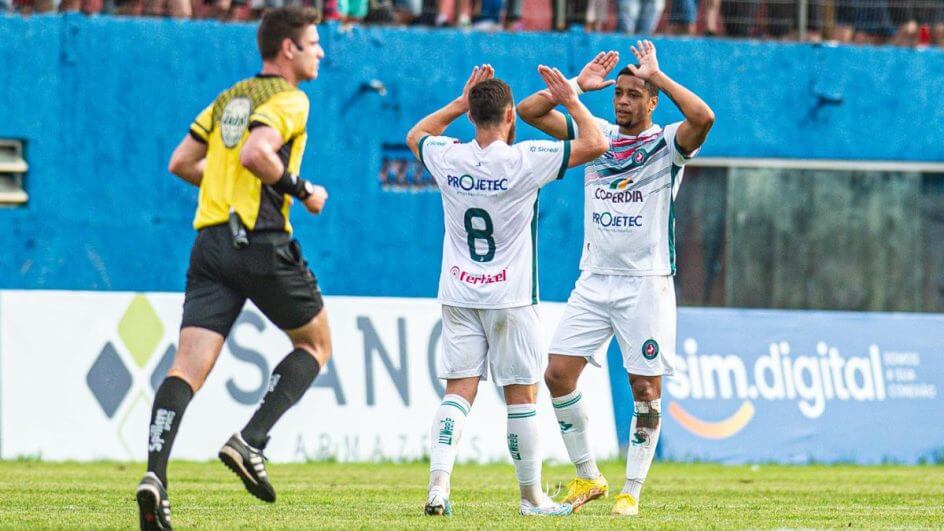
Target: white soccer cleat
547 507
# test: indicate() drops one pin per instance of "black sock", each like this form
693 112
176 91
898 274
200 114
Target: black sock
170 402
288 383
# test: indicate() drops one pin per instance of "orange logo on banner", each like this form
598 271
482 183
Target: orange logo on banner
713 430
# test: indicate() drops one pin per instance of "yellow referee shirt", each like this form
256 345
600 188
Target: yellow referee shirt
224 126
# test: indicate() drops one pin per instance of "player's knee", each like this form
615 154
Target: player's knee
644 390
558 380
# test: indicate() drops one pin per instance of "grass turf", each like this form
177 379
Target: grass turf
100 495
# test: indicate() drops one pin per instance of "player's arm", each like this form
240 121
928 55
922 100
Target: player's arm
590 142
698 115
436 123
188 160
538 108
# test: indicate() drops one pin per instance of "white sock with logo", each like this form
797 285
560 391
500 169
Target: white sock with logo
643 437
574 425
444 439
524 446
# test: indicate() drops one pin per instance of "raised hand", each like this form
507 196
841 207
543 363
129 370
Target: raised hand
593 75
645 53
558 89
479 74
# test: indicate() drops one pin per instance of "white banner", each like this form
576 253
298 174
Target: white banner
78 372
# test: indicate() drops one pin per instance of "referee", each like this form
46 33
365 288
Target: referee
244 151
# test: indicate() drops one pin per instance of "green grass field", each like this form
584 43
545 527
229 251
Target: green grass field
34 494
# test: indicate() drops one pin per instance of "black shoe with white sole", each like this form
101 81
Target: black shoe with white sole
153 504
249 464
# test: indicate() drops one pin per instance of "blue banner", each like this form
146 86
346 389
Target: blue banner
799 387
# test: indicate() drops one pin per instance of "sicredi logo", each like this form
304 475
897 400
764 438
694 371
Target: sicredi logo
468 183
478 279
631 196
544 149
607 220
810 380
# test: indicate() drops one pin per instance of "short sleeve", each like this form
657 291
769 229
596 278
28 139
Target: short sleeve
547 160
572 128
432 150
202 125
286 112
679 157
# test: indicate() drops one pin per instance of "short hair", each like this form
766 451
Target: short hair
488 100
283 23
653 91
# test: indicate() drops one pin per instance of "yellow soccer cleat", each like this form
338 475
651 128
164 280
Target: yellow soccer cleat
581 491
625 505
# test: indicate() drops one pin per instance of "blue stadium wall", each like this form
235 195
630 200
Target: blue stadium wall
101 103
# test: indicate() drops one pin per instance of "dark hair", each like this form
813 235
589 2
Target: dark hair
653 91
488 100
283 23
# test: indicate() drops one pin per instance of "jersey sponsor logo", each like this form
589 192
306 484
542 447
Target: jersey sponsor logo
235 120
544 149
468 183
631 196
480 278
609 220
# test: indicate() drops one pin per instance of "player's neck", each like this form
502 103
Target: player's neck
275 69
637 129
486 137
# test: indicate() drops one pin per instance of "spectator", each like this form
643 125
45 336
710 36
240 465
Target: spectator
170 8
406 11
682 16
352 10
739 16
932 14
639 16
461 11
513 15
597 13
783 15
904 16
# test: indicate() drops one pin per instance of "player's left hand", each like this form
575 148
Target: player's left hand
479 74
645 53
593 75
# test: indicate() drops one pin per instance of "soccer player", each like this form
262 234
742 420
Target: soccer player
625 286
488 282
244 151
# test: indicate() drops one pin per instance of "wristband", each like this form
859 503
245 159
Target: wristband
573 83
294 186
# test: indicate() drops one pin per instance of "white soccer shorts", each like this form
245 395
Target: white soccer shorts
639 310
509 342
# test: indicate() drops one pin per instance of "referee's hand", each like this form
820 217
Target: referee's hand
315 202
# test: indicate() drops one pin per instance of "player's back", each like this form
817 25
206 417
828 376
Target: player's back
224 126
490 212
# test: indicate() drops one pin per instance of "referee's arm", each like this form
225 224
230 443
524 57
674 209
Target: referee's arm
188 160
260 156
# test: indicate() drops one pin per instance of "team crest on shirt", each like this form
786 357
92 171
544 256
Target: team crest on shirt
650 349
640 156
235 120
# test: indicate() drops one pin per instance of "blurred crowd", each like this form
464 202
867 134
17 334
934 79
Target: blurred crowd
899 22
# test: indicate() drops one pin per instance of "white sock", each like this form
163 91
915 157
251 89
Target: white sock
574 425
525 449
643 437
444 439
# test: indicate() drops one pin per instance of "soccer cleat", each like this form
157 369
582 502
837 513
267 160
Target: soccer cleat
437 504
153 505
625 505
547 507
249 464
581 491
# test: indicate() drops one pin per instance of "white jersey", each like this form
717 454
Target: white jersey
629 202
490 202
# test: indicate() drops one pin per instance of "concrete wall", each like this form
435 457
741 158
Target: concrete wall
101 103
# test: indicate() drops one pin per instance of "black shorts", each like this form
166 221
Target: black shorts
271 272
